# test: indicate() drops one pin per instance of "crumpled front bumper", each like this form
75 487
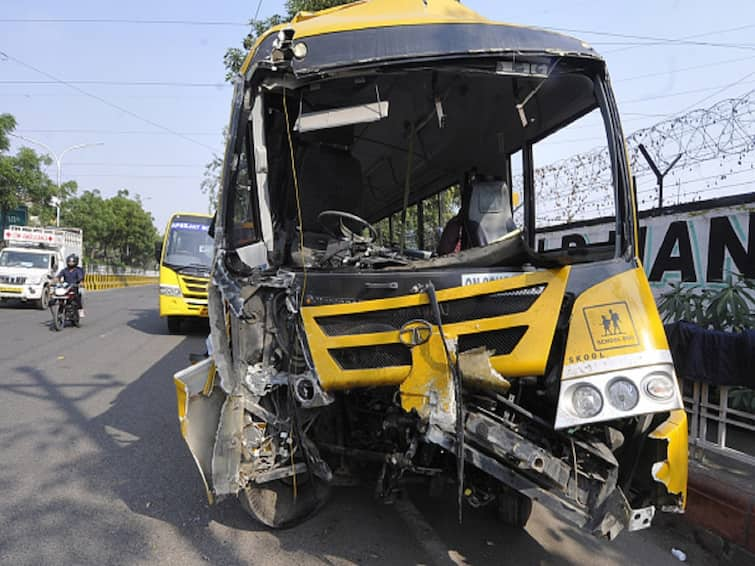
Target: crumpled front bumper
672 472
615 513
199 409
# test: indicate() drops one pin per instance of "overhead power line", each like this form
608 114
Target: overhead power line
687 40
145 165
114 132
5 55
120 83
697 103
128 21
56 95
743 46
127 176
685 69
718 88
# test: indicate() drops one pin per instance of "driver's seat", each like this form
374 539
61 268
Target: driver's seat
489 215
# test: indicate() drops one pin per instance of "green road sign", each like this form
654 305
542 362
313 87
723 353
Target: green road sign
18 216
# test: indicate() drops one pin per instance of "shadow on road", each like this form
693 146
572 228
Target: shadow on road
148 322
144 462
139 471
17 304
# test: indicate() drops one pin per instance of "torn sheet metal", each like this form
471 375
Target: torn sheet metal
228 286
672 472
198 415
477 371
428 388
226 457
260 378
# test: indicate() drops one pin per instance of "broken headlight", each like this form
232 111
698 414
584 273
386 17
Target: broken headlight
623 394
587 401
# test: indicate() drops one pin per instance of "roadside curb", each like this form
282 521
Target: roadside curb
721 514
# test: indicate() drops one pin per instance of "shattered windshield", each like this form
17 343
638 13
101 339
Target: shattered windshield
10 258
422 164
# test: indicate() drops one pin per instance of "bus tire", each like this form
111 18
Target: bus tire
514 509
174 324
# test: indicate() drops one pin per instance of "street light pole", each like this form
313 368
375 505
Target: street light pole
58 163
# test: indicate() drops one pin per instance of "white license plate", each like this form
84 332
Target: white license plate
475 278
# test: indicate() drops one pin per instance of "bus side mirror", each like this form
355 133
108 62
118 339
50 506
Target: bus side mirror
158 251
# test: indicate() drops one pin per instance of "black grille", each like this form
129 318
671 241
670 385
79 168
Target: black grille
195 286
371 357
457 310
365 323
499 341
12 280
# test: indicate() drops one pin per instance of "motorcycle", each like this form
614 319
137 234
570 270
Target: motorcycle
63 305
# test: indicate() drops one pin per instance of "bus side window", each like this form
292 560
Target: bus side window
243 224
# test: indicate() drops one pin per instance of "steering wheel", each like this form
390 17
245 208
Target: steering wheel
346 226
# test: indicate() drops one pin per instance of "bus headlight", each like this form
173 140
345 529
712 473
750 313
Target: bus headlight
659 386
646 389
170 290
623 394
587 401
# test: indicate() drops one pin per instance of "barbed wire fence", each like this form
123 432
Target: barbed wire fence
714 147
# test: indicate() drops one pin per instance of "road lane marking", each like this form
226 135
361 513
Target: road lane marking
426 535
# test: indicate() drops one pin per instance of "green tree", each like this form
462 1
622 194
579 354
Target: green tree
22 178
117 231
210 184
87 212
132 234
7 125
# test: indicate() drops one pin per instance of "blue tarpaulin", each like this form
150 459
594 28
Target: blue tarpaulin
712 356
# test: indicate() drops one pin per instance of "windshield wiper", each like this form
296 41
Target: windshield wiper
193 265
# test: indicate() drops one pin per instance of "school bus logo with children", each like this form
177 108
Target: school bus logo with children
610 326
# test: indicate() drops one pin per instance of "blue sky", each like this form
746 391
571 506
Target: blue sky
166 169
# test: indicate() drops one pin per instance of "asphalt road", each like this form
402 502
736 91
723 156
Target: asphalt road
93 470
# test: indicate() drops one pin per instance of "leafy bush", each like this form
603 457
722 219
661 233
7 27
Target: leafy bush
729 307
742 399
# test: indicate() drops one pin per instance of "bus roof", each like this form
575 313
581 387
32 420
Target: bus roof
380 30
198 214
183 215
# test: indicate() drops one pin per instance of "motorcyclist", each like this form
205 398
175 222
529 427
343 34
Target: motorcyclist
73 275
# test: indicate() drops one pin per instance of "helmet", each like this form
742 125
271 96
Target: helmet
72 260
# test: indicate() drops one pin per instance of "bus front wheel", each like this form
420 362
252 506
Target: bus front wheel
174 324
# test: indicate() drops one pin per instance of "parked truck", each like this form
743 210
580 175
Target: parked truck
31 258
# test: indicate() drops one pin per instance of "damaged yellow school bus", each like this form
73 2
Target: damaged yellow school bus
348 340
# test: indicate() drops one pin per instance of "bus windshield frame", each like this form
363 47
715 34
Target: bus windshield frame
185 245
